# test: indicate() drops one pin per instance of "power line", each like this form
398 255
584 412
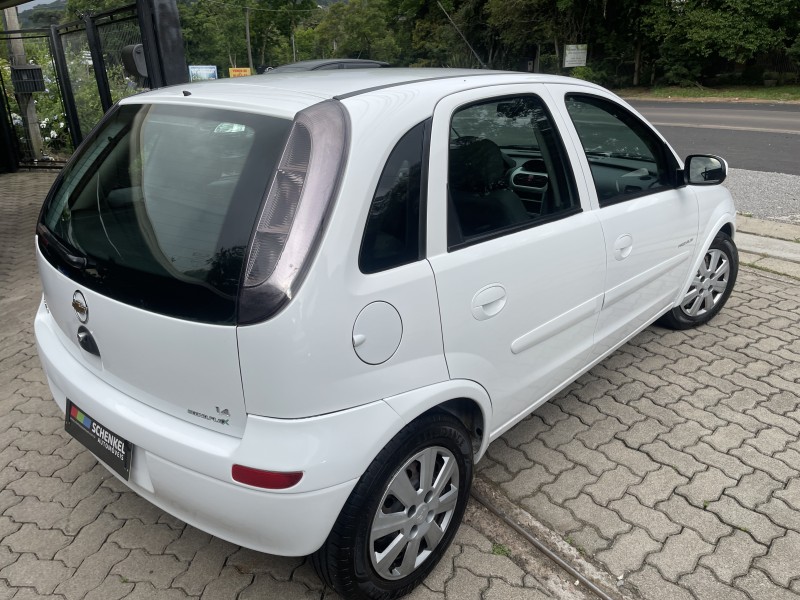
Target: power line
462 35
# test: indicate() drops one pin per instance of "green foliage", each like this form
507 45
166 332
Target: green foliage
664 42
501 550
42 15
76 9
358 29
214 31
49 110
588 74
784 93
646 41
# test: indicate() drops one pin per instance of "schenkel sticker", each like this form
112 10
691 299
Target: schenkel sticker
106 445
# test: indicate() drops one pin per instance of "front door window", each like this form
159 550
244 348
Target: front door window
627 158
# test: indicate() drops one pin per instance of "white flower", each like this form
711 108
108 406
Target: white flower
53 135
61 125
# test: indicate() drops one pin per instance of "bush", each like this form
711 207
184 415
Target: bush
587 73
753 75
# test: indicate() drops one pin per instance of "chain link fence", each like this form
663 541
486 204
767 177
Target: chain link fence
117 33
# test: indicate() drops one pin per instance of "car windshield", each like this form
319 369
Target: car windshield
159 206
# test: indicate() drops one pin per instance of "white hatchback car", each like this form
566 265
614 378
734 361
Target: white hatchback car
294 310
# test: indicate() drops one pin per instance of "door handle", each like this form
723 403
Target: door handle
623 246
488 301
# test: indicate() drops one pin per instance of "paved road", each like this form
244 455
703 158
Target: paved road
759 137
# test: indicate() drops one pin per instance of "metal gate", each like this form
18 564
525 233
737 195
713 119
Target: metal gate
31 100
89 56
81 74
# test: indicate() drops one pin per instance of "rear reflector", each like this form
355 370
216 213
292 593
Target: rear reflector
269 480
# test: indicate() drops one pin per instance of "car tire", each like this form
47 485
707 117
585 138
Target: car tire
710 289
382 545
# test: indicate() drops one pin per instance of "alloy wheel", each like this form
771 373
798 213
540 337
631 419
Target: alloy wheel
709 284
415 511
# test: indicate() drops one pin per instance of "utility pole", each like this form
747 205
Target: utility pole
25 101
247 33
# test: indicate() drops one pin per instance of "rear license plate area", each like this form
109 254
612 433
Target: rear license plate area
111 448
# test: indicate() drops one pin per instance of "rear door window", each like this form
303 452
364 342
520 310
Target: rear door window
161 204
507 170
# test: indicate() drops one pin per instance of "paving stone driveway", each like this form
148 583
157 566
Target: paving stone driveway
674 464
69 530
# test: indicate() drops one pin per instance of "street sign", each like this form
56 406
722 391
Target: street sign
239 72
575 55
202 72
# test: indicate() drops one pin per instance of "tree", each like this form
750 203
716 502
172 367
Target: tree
358 29
76 9
214 32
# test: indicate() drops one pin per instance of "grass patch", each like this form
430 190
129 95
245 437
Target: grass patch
571 541
785 93
501 550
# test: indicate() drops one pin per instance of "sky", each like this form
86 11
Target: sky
31 4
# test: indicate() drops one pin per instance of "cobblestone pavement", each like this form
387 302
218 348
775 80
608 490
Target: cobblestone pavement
673 464
71 531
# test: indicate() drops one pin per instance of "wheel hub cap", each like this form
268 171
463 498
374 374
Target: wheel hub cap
709 284
415 512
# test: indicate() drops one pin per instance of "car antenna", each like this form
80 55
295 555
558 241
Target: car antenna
483 65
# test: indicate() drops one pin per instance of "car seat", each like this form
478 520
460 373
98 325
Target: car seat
477 183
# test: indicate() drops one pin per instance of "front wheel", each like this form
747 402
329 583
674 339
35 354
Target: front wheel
712 285
403 513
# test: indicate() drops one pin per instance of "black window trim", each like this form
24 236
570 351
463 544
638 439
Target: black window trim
423 193
672 163
512 229
569 173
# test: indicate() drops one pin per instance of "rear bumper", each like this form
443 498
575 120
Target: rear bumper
186 469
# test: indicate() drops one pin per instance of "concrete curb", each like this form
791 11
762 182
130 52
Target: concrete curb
769 245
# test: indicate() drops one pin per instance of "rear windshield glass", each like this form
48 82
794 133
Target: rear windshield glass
158 209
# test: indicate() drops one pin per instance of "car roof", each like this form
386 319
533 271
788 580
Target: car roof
310 65
284 94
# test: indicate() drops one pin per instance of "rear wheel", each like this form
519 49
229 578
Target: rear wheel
710 288
402 514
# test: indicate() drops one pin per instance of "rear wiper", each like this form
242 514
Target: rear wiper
66 254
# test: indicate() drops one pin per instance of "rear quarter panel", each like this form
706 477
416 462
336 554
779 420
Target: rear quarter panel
302 362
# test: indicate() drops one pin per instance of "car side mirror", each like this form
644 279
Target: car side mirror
705 169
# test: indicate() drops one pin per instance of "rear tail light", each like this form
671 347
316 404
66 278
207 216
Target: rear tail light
269 480
295 210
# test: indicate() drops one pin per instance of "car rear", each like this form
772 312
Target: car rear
167 230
